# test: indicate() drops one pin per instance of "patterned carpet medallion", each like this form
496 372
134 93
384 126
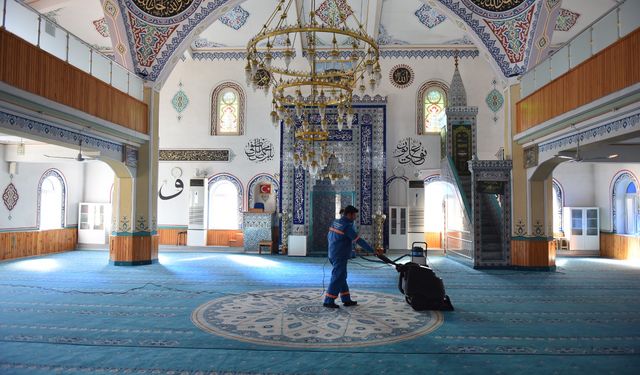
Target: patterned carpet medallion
296 318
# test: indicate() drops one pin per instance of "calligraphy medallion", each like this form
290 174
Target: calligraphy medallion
401 76
262 78
498 9
166 8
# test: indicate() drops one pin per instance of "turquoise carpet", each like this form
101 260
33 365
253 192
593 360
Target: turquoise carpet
72 313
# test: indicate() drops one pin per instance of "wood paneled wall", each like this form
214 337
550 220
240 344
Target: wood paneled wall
24 244
616 246
29 68
433 240
533 253
133 250
218 237
170 237
610 70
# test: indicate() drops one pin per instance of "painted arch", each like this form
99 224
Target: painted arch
515 35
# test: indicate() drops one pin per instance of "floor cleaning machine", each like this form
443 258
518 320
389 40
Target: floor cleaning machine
422 289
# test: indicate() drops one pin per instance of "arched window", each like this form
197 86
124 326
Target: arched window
225 202
227 110
432 104
52 199
625 204
558 203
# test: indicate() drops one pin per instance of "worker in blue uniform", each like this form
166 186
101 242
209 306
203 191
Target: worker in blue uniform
341 237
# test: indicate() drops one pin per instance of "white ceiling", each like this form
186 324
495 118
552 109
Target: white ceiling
396 22
77 17
588 11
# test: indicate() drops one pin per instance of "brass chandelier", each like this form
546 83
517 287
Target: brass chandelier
339 57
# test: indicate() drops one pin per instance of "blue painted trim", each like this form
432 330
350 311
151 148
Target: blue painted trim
535 238
134 234
134 263
173 227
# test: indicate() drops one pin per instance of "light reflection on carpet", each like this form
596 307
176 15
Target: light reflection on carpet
296 318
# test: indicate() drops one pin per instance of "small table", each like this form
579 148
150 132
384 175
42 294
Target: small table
267 244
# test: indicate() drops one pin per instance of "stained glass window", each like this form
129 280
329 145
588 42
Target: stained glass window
228 109
435 117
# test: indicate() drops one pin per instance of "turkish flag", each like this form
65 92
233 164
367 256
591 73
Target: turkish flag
265 189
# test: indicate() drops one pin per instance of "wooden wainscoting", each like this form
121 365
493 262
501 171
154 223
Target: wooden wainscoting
172 236
220 237
606 72
617 246
433 240
29 68
133 250
25 244
533 253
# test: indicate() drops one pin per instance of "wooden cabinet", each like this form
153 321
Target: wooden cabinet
93 222
582 227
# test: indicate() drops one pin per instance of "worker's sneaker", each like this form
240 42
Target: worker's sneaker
350 303
331 305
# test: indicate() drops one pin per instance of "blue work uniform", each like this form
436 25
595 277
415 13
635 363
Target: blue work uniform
342 237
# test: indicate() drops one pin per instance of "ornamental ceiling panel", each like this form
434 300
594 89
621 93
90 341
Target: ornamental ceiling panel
516 33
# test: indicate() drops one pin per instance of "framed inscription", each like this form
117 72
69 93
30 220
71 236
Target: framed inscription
401 76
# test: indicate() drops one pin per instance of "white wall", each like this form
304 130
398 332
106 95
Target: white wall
589 184
99 177
199 78
26 182
576 180
603 180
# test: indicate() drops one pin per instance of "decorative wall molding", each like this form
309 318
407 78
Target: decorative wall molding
10 197
180 101
429 16
428 53
235 18
239 54
209 155
57 174
566 20
605 130
43 130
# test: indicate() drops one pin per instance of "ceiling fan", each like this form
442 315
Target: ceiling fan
576 157
80 157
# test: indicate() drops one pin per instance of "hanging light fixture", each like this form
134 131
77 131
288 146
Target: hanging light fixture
332 170
339 57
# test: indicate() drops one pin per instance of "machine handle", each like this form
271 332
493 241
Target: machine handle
425 244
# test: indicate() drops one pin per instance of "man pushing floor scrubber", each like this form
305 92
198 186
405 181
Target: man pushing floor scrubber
423 290
342 236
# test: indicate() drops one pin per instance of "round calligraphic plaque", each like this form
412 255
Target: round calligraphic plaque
401 76
168 8
262 77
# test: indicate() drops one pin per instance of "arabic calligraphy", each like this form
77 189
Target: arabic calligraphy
178 185
497 5
410 151
163 8
259 150
401 76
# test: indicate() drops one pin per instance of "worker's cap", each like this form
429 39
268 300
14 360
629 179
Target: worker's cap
350 210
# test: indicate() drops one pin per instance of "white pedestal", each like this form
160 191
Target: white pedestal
197 237
297 246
